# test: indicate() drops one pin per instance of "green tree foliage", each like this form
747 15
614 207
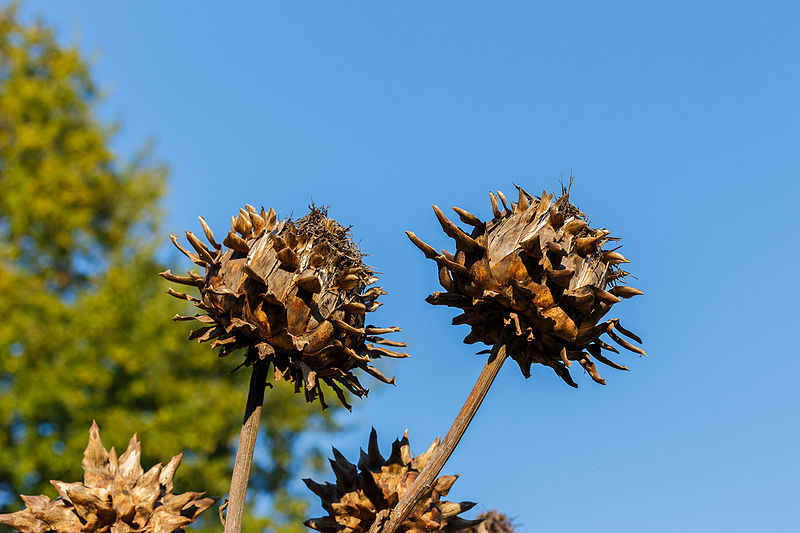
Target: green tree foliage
85 331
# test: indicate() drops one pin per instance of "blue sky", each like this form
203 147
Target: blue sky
680 123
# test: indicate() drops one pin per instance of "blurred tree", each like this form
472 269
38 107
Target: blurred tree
85 331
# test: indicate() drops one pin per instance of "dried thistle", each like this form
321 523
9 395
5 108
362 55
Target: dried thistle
534 283
536 278
294 294
364 493
116 496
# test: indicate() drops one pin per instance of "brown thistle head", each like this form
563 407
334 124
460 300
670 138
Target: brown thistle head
537 279
293 293
116 496
365 492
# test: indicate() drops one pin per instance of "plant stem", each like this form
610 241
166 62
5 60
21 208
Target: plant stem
247 443
424 482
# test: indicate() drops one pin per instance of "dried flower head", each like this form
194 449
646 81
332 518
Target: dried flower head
363 494
116 496
537 279
294 293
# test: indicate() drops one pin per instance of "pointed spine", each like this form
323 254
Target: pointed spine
622 342
184 280
624 291
192 257
463 241
209 234
613 258
201 249
503 200
468 218
495 209
522 203
428 250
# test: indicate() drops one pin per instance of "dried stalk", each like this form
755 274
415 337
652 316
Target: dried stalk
424 482
247 444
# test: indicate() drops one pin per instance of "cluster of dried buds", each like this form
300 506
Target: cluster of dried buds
293 293
116 496
364 493
535 279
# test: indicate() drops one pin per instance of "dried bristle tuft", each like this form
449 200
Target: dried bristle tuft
536 278
116 495
345 254
293 293
362 492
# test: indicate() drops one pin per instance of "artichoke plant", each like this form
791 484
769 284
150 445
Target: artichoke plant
534 283
364 493
293 293
538 279
116 496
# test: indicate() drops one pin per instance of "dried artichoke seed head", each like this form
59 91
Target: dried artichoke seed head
376 484
537 279
293 293
492 522
116 495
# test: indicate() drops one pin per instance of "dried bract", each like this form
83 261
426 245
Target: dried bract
365 492
116 496
293 293
537 279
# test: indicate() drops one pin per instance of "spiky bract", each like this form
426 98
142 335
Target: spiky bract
294 293
365 492
536 279
116 496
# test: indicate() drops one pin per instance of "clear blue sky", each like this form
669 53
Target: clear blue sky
680 123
